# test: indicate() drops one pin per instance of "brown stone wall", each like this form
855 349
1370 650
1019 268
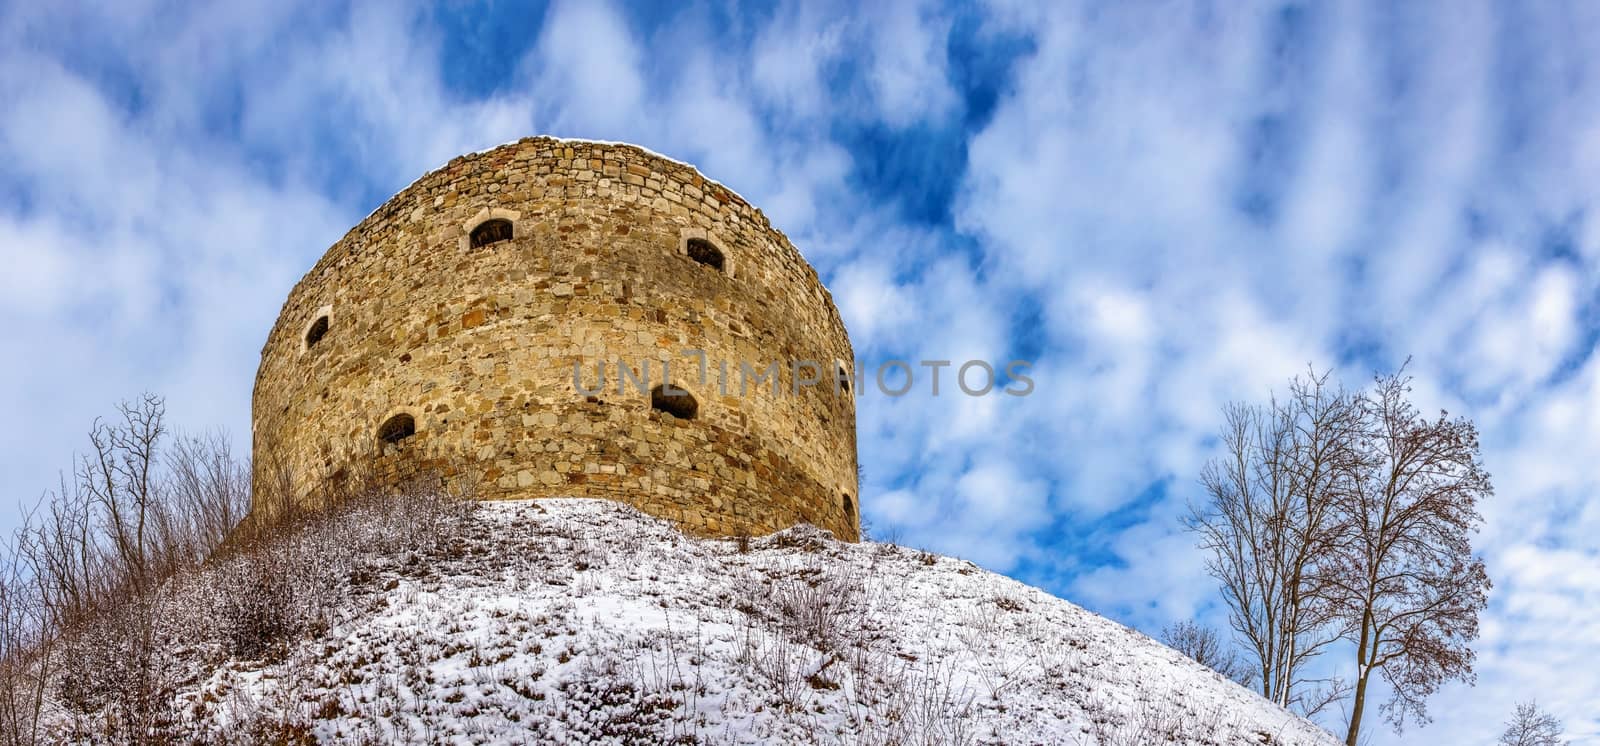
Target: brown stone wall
478 345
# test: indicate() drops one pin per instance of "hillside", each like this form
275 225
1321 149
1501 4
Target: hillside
584 621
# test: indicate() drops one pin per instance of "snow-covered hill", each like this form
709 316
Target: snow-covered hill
583 621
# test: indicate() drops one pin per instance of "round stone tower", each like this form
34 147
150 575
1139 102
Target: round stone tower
566 318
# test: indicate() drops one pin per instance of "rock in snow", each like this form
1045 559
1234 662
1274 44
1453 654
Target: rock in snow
584 621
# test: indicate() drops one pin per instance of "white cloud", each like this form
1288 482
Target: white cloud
790 56
1109 183
1161 561
908 73
587 65
178 171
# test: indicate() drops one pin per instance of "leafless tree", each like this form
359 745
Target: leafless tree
57 545
1208 649
1531 726
1404 579
1269 524
1245 489
119 477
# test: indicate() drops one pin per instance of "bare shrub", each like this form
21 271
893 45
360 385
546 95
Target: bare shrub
123 666
821 607
121 585
1147 721
929 707
606 703
81 612
210 489
256 604
25 650
1208 649
281 584
119 673
778 663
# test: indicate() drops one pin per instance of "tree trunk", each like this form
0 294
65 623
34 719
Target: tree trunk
1355 713
1363 672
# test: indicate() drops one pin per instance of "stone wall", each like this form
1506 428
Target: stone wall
478 346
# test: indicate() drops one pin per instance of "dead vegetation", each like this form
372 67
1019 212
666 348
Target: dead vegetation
421 617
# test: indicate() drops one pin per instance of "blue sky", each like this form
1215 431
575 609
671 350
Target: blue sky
1166 206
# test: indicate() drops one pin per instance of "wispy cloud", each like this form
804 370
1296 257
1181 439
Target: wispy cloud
1165 206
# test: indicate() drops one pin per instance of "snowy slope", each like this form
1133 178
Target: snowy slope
583 621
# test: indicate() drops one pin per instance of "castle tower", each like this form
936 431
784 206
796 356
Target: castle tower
440 335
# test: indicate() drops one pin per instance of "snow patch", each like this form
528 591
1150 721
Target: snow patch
584 621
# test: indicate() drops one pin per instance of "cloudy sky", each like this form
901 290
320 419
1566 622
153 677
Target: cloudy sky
1165 206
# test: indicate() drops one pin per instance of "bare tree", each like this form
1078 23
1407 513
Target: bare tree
57 545
1324 462
1237 527
1269 525
1531 726
1404 578
119 477
1208 649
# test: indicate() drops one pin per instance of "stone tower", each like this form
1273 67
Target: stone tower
441 335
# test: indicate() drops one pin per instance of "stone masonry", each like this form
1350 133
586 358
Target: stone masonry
440 335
